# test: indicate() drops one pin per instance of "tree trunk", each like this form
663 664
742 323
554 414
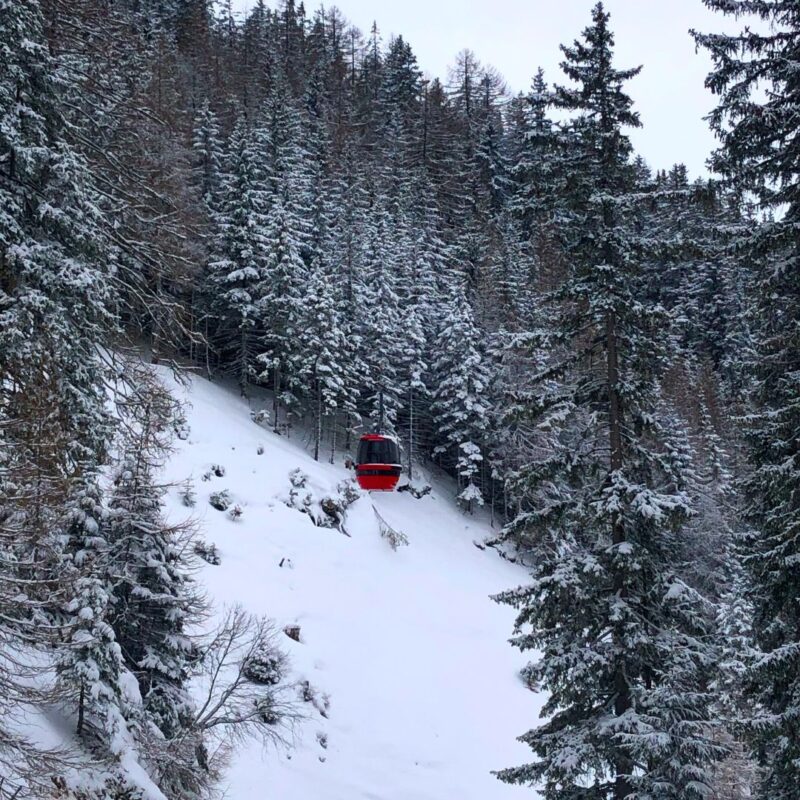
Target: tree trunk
622 691
318 427
243 362
276 390
333 438
81 704
208 354
410 432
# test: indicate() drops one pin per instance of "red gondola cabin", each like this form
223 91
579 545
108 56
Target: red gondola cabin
378 464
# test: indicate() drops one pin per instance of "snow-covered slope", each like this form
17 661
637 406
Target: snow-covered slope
425 697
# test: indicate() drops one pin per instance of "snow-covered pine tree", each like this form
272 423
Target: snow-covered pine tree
491 162
56 307
90 662
349 209
208 156
459 382
536 149
380 327
288 243
735 778
539 155
55 262
399 94
413 347
318 368
755 77
622 638
235 275
153 600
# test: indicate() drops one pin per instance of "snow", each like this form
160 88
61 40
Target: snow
425 694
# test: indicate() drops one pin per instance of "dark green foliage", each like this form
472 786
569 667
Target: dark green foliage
622 641
755 77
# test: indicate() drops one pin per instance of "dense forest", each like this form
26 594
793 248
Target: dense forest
605 357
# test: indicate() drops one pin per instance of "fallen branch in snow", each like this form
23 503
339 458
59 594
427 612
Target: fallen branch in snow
495 545
392 535
208 552
413 491
325 511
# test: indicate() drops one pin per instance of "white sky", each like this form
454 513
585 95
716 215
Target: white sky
516 36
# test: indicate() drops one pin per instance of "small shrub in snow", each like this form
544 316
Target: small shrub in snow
298 478
188 496
333 511
300 496
325 512
268 711
348 493
206 476
208 552
267 666
260 450
220 500
181 427
470 497
260 417
322 739
309 694
218 470
235 513
394 537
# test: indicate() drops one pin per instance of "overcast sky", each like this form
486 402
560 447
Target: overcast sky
517 36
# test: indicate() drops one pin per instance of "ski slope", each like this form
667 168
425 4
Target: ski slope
425 697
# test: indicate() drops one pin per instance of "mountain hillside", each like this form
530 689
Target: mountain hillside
425 697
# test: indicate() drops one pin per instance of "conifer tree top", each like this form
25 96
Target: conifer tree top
588 62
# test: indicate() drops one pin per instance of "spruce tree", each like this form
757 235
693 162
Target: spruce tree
90 662
235 274
621 637
207 149
755 77
379 318
318 369
288 244
153 602
460 379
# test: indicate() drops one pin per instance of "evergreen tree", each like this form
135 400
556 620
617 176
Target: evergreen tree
318 368
207 148
412 376
460 380
754 76
236 273
153 602
90 663
622 637
56 265
379 320
288 244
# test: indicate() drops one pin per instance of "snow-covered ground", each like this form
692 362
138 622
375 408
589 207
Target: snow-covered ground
425 698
